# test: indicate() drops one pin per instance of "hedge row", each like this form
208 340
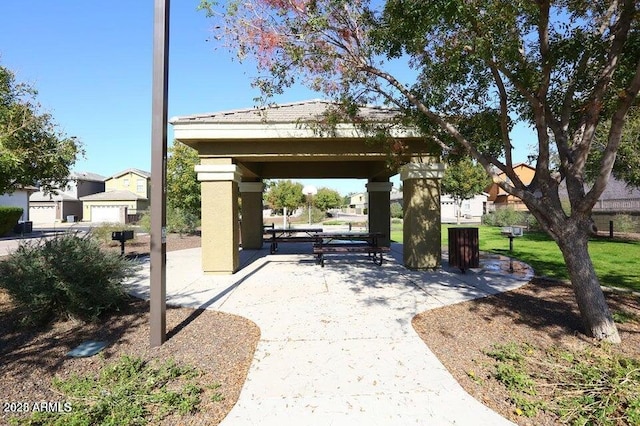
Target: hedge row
9 216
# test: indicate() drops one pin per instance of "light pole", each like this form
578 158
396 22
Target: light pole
310 191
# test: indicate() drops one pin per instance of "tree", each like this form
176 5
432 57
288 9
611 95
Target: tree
285 194
627 165
463 180
564 67
326 199
183 188
33 152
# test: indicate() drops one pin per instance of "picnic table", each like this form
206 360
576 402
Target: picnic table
349 242
291 235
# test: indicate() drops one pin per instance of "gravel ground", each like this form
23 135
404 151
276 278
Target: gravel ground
218 344
542 313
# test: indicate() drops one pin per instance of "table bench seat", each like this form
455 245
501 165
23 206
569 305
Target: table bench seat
349 247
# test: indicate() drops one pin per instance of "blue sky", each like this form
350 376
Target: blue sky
91 63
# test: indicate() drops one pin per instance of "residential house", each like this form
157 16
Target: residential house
64 204
19 198
499 198
125 197
471 210
358 203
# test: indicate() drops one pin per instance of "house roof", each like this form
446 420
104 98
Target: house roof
310 110
115 195
617 189
40 196
519 165
88 176
131 170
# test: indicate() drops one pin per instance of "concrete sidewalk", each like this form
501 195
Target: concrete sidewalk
337 346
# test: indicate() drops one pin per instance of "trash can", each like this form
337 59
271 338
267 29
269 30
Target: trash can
464 248
71 218
23 228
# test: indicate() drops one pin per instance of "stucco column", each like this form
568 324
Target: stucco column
219 189
421 199
379 210
251 224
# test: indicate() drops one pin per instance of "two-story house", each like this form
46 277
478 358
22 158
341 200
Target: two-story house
125 197
64 204
500 198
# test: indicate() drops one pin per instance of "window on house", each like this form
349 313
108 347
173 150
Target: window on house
140 185
125 182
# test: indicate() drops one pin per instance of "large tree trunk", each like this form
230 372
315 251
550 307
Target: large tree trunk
594 310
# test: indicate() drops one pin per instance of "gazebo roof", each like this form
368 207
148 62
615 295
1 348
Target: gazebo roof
311 110
288 141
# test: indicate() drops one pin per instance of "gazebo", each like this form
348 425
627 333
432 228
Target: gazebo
240 148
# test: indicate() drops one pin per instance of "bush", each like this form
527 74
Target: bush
9 216
103 231
396 210
317 215
145 221
624 223
504 216
181 221
65 276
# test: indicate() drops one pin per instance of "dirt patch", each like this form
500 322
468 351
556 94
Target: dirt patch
220 345
543 313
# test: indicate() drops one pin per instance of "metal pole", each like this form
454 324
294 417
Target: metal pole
160 85
510 253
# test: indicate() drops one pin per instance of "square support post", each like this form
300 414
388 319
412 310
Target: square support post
251 223
422 227
220 241
379 210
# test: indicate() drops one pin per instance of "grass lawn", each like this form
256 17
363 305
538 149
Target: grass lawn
615 261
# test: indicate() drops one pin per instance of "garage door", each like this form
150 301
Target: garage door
42 214
105 214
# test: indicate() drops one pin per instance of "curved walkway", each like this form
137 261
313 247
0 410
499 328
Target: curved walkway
337 346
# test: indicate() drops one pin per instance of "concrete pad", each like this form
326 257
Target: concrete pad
337 345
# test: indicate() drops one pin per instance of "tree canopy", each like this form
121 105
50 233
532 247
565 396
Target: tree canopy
564 67
627 165
33 152
326 199
183 188
285 193
463 180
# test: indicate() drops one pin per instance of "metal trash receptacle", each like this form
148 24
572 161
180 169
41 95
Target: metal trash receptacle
464 248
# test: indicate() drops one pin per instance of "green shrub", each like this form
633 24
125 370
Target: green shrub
624 223
396 211
317 215
9 216
145 221
129 391
181 221
65 276
103 231
504 216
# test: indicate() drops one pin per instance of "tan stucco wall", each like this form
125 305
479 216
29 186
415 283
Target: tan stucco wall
220 239
422 229
251 224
